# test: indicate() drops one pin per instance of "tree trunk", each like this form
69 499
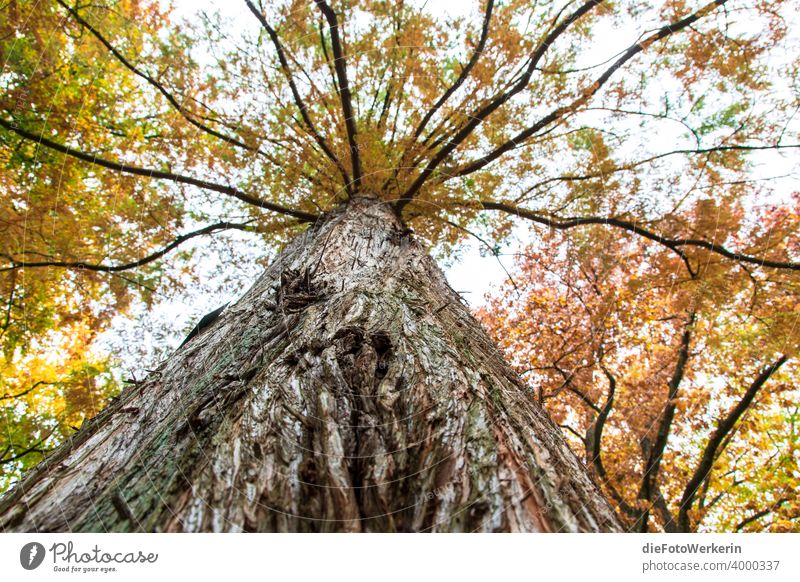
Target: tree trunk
348 390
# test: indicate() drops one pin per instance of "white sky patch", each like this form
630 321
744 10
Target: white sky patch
475 273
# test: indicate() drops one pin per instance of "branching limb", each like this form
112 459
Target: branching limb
487 16
656 451
298 100
477 117
706 463
594 437
100 268
156 174
674 244
158 86
758 515
590 91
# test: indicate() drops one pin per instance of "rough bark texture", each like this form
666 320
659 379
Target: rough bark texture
348 390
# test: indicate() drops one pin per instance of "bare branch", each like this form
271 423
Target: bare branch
490 248
674 244
724 426
158 175
590 91
340 66
666 515
632 165
34 448
579 393
81 265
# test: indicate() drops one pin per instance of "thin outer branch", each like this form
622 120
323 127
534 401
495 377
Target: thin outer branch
464 72
34 448
590 91
653 158
298 100
758 515
488 246
26 391
479 116
161 89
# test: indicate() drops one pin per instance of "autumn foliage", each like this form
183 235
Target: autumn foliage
679 388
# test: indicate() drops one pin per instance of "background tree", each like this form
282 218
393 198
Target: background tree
127 134
678 389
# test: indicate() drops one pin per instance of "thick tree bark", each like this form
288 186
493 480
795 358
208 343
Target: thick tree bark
348 390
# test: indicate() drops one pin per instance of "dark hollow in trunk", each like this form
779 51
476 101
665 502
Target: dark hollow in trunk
348 390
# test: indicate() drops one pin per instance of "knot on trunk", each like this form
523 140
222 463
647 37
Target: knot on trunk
363 357
297 290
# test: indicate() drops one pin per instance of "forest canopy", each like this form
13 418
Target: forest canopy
647 150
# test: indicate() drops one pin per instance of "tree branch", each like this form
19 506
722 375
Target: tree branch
590 91
340 66
724 426
674 244
632 165
666 515
489 247
594 437
34 448
16 264
298 100
161 89
158 175
464 72
758 515
656 452
26 391
476 118
574 432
